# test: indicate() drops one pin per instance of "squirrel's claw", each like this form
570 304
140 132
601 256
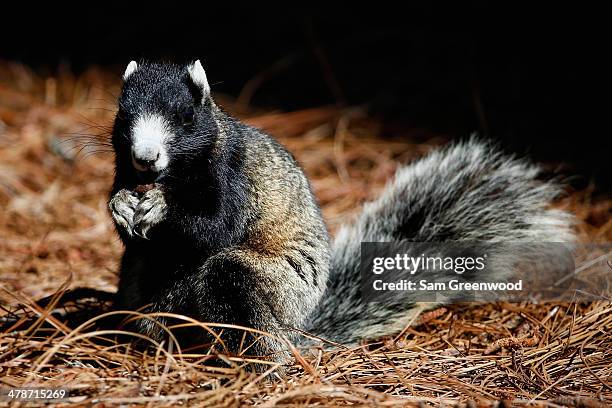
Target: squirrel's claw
136 231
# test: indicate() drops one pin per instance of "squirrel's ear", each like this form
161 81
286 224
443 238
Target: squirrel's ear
132 66
198 76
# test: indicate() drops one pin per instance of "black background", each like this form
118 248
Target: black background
528 76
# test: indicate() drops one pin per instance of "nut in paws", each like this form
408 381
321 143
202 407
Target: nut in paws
150 211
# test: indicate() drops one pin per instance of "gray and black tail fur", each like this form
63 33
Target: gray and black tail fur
466 192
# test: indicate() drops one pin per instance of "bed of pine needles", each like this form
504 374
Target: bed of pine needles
55 233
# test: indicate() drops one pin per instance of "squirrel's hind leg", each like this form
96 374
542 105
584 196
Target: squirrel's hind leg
243 287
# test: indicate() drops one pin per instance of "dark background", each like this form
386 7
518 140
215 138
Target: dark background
528 76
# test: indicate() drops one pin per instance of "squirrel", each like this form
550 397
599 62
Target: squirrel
220 223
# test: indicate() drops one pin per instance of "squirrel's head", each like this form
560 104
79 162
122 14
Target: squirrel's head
165 114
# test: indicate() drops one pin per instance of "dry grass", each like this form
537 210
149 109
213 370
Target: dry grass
55 233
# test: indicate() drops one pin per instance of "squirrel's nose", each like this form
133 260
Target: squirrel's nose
144 160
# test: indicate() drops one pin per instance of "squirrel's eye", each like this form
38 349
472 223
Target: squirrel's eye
187 116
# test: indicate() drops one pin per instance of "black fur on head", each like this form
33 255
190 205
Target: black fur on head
165 129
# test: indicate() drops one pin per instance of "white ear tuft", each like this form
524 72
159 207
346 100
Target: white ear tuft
198 76
130 69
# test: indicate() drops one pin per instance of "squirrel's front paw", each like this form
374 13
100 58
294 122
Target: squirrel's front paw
122 207
150 211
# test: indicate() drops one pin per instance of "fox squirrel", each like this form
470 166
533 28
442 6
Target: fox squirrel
219 222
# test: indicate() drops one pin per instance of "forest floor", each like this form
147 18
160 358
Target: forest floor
55 233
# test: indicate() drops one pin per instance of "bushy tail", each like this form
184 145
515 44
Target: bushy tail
466 192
